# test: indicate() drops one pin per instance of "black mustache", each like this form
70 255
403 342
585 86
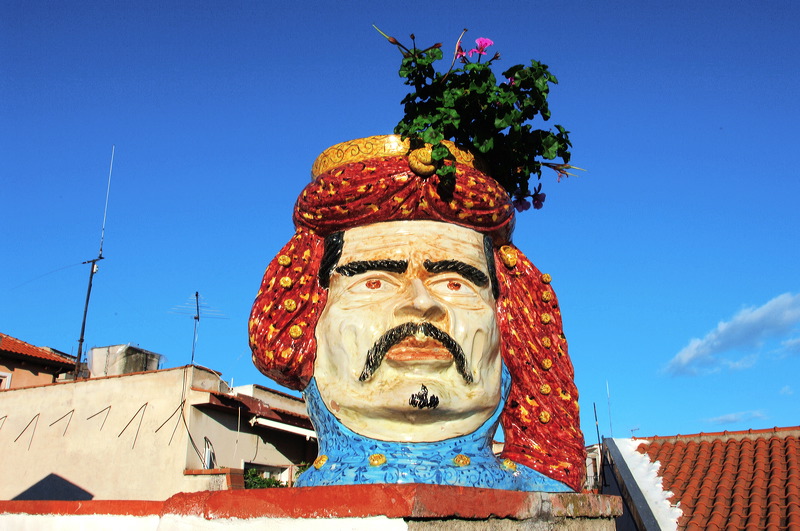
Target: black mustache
398 333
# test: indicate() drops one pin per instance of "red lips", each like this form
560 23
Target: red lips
414 349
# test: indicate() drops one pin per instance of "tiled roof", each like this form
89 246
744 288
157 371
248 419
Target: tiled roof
732 480
14 346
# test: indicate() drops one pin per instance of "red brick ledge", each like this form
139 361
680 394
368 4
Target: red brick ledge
120 508
351 501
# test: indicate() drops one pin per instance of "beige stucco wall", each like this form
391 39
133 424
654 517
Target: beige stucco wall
121 438
23 375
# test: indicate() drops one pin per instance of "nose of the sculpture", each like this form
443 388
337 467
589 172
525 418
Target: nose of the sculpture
417 302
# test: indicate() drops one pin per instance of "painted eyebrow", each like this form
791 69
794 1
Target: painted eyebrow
473 274
362 266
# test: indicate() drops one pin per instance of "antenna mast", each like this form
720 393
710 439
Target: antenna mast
93 269
195 308
610 426
196 321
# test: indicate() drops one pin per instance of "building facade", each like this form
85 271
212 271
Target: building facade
146 436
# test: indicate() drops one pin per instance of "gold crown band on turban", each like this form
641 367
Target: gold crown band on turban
385 146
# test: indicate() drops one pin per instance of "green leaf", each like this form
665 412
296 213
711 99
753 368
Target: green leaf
550 146
440 152
432 136
486 145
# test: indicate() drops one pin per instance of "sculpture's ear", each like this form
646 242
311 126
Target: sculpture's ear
330 257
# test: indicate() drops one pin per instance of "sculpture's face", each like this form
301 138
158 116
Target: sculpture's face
436 373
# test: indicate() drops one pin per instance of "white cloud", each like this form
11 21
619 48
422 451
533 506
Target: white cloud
733 418
786 391
744 363
746 330
791 346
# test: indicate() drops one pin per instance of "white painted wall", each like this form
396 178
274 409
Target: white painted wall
24 522
121 438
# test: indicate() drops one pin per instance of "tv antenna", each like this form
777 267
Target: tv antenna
194 307
93 269
610 426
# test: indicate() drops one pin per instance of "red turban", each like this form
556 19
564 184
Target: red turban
370 181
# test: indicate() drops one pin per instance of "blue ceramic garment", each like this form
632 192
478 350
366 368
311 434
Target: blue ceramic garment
348 456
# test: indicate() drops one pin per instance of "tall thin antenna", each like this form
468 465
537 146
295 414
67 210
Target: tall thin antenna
610 426
196 321
596 423
93 269
194 307
105 209
599 467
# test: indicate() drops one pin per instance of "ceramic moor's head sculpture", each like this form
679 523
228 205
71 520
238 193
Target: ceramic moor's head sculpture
413 326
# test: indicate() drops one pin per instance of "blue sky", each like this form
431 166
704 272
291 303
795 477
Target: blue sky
674 257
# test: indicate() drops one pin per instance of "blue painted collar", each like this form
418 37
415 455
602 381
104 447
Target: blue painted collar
468 461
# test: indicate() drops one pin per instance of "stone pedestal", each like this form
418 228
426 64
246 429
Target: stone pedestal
414 506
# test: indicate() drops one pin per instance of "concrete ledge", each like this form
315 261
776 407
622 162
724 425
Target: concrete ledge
234 477
409 503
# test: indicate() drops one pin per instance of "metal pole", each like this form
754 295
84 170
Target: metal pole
196 322
92 271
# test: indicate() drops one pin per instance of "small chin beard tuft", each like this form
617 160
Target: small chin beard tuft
421 400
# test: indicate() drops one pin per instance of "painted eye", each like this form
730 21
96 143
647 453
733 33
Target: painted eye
373 283
453 285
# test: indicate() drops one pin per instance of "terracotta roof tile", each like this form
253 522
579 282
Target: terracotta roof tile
22 349
732 480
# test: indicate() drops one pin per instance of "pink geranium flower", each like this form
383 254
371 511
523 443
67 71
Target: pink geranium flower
482 44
